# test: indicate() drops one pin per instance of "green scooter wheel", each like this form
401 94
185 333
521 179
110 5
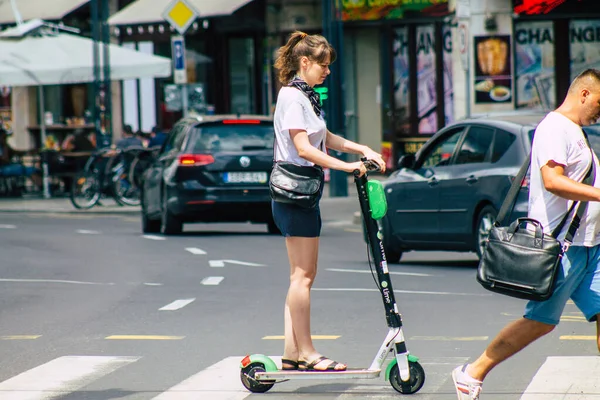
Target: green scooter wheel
415 383
247 375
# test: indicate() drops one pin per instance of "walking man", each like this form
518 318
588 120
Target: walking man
559 161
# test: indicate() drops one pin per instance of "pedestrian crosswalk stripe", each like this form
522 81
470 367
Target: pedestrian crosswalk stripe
59 376
143 337
220 381
565 377
451 338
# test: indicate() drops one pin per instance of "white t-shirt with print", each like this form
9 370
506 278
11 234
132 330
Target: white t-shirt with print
559 139
294 111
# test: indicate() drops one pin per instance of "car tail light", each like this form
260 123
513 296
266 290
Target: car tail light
241 121
194 160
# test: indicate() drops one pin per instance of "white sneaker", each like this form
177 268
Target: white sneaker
467 388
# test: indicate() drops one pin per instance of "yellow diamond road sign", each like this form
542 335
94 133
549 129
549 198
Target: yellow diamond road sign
180 14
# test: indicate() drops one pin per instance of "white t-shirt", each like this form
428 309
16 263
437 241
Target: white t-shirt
559 139
294 111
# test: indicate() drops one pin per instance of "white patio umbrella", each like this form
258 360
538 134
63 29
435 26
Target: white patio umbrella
32 55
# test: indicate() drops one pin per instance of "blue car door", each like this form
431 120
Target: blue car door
464 187
415 193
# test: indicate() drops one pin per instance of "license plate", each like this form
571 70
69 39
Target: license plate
245 177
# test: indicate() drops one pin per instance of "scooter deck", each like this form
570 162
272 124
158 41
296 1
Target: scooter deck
307 375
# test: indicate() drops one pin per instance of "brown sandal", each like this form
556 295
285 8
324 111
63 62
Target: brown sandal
310 367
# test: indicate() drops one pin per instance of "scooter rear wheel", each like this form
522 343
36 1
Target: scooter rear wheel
417 378
247 375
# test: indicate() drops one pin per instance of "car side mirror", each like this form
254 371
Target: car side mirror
407 161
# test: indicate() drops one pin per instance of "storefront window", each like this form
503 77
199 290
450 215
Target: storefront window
534 64
426 80
5 107
241 61
585 51
448 87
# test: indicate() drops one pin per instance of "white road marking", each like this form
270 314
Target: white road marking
87 232
153 237
55 281
400 291
152 284
220 381
212 280
176 305
5 226
221 263
60 376
360 271
573 378
338 223
195 250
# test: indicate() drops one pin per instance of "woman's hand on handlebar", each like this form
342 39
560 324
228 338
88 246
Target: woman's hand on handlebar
356 166
374 156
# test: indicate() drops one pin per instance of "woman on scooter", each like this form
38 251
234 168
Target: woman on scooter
301 138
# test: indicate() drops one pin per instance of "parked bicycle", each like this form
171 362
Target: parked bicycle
106 174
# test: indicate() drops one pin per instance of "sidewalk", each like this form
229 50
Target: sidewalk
62 205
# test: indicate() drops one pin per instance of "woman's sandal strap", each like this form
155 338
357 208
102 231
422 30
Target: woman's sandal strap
305 366
290 363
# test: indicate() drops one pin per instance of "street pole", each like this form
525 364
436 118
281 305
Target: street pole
334 109
107 120
96 59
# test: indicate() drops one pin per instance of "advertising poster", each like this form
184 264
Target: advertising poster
493 80
355 10
585 49
426 79
534 65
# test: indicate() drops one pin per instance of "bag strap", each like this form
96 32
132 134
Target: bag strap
511 196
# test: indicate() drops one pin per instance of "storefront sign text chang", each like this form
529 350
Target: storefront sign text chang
353 10
535 61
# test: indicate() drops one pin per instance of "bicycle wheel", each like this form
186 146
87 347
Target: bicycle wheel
85 190
124 191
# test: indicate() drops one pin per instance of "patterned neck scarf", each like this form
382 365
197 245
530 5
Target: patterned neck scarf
314 97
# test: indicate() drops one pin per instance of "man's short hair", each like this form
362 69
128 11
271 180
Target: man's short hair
587 77
127 129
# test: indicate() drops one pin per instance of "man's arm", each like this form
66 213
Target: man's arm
556 182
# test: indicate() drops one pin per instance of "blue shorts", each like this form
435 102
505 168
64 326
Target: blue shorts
294 221
578 279
17 170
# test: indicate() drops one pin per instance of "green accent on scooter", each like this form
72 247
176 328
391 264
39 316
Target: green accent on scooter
377 201
410 357
269 364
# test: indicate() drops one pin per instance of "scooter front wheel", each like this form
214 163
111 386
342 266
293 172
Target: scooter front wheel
247 375
415 383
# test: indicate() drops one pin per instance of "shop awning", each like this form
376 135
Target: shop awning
62 58
49 10
150 11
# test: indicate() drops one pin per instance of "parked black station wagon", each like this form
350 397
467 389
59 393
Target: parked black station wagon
210 169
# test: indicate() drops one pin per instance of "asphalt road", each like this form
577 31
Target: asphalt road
93 310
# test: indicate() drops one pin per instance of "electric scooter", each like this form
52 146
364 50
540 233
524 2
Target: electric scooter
259 372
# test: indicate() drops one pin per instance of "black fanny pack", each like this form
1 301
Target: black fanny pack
300 185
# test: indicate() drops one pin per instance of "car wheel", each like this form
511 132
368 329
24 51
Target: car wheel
170 224
485 220
148 225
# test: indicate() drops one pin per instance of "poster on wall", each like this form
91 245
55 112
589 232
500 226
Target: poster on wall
361 10
534 65
427 101
493 79
585 49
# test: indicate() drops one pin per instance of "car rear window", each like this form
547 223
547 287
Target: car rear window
232 137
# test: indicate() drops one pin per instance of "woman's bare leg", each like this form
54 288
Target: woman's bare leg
303 254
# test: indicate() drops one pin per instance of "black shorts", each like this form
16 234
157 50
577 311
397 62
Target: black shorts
294 221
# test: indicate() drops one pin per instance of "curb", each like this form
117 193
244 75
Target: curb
63 211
